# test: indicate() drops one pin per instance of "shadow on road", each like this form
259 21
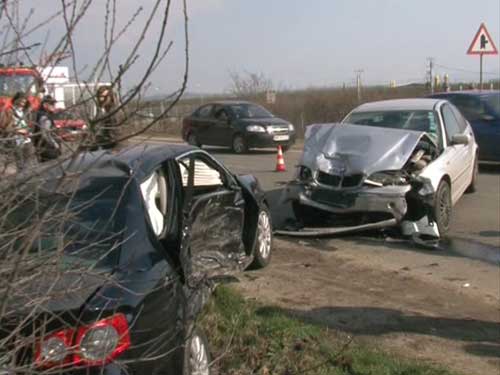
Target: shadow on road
380 321
489 168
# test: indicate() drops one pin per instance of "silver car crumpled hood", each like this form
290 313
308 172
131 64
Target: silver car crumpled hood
356 149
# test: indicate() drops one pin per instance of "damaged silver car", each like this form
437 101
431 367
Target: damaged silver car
397 162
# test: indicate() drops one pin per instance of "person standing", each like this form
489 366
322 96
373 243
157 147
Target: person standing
17 131
46 142
106 135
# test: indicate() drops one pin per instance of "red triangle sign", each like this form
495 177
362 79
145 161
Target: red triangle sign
483 43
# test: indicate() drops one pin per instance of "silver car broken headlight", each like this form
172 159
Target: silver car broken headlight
387 178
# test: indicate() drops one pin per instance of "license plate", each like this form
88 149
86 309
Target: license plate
281 137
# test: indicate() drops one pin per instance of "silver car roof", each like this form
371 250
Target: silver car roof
424 104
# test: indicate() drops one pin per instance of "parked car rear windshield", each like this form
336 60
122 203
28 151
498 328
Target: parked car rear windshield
418 120
250 111
87 227
494 102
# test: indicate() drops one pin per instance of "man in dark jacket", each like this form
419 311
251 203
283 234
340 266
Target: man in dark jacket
46 142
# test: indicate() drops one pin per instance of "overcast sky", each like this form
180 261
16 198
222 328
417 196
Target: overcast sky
300 43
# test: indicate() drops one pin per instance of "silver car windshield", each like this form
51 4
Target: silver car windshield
416 120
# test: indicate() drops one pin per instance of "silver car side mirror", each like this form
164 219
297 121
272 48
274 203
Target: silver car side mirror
460 139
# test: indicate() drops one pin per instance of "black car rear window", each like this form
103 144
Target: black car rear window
87 228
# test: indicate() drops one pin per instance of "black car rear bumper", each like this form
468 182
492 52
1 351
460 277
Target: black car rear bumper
261 140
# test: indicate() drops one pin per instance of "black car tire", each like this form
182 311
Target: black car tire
196 354
263 247
442 207
239 144
473 184
193 140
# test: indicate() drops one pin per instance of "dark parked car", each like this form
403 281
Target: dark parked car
482 110
237 124
164 224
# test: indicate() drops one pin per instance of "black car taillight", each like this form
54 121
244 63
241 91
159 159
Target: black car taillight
103 341
93 345
55 349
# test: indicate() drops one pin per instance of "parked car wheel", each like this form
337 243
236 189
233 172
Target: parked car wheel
264 242
192 139
442 207
196 354
239 144
473 184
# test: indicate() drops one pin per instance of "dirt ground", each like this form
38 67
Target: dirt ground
420 304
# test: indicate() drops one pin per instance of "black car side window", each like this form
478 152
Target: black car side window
450 123
220 114
206 178
204 112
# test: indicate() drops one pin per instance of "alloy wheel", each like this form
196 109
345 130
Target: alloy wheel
264 234
198 356
239 145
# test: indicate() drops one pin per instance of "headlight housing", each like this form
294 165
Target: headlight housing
387 178
256 129
304 173
291 128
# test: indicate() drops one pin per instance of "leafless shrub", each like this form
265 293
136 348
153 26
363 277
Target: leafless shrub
46 257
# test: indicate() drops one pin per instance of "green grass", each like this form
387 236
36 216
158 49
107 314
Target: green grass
247 338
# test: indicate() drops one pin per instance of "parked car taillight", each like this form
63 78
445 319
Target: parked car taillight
93 345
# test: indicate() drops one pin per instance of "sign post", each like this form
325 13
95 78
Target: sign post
481 45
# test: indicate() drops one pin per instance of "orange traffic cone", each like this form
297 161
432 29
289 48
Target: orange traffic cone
280 162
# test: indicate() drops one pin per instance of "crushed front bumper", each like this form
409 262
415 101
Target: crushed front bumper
384 200
392 205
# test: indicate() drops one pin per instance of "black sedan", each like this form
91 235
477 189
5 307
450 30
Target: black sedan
237 124
146 234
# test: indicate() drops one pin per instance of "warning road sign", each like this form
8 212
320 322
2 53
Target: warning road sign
483 43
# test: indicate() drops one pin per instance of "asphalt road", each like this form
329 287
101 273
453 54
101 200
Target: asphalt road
475 229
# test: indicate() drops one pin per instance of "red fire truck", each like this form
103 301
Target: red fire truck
24 79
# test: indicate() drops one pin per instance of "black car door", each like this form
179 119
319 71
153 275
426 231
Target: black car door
202 123
222 132
213 219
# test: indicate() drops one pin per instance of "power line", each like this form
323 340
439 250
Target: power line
465 70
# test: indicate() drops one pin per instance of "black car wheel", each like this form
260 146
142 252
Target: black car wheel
473 184
192 139
442 207
196 354
239 144
264 242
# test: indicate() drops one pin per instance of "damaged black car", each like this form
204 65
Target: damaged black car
391 163
131 246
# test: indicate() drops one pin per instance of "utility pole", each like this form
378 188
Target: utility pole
431 73
358 82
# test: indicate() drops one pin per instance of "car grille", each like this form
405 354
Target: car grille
348 181
278 129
